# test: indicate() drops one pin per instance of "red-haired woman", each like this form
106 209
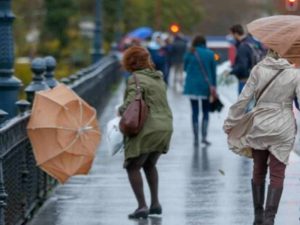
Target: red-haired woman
143 150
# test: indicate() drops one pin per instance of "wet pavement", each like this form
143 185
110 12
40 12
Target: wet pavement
205 185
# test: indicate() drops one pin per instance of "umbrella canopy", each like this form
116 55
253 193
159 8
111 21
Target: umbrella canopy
141 33
280 33
64 133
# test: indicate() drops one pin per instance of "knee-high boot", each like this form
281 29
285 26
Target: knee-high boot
258 195
196 133
204 130
273 199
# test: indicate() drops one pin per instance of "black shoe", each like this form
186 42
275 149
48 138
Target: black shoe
139 214
206 142
157 211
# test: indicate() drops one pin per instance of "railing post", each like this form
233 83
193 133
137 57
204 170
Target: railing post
3 117
9 85
3 195
50 67
24 180
23 106
97 50
38 67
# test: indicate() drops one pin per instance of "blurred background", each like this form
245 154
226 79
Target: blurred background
65 28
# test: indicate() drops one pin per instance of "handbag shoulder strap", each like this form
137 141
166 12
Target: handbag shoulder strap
268 84
138 94
202 67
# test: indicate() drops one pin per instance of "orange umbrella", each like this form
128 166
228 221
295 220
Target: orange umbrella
280 33
64 133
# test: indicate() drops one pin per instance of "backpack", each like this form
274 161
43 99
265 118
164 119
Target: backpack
257 52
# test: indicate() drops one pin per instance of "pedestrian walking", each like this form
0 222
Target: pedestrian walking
197 84
167 50
178 49
158 53
248 53
144 149
267 133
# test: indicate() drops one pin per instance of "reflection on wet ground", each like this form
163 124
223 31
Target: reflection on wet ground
149 221
205 185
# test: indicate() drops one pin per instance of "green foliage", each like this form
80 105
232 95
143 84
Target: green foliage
160 14
23 72
28 17
57 22
61 36
57 19
126 15
110 19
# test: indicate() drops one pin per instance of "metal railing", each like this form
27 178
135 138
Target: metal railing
23 186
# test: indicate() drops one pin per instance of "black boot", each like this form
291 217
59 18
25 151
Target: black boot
196 134
273 199
258 195
204 129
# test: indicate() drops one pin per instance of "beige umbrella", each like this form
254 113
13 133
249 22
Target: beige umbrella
280 33
64 133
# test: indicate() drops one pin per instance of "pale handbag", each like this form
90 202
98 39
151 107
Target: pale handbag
114 136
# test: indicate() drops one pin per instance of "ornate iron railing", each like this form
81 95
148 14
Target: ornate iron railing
23 186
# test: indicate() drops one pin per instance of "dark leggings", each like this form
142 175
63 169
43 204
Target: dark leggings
148 163
260 168
195 110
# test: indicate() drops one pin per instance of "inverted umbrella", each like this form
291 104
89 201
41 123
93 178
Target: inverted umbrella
141 33
64 133
280 33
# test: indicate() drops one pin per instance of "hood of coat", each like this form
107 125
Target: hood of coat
277 64
151 73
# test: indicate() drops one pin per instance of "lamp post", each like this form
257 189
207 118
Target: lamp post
97 49
9 84
119 20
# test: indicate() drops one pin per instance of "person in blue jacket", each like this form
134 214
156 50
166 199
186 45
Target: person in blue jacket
159 54
196 87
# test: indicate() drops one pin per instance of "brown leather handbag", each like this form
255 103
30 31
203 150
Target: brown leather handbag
134 117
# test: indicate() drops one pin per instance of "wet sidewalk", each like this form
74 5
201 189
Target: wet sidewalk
198 186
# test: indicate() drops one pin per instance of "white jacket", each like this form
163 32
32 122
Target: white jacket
271 124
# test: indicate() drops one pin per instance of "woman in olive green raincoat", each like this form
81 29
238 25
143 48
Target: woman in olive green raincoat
143 150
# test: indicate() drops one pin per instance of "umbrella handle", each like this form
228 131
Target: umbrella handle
84 129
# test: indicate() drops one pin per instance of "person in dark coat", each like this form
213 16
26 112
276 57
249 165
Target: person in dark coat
196 86
244 54
178 49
